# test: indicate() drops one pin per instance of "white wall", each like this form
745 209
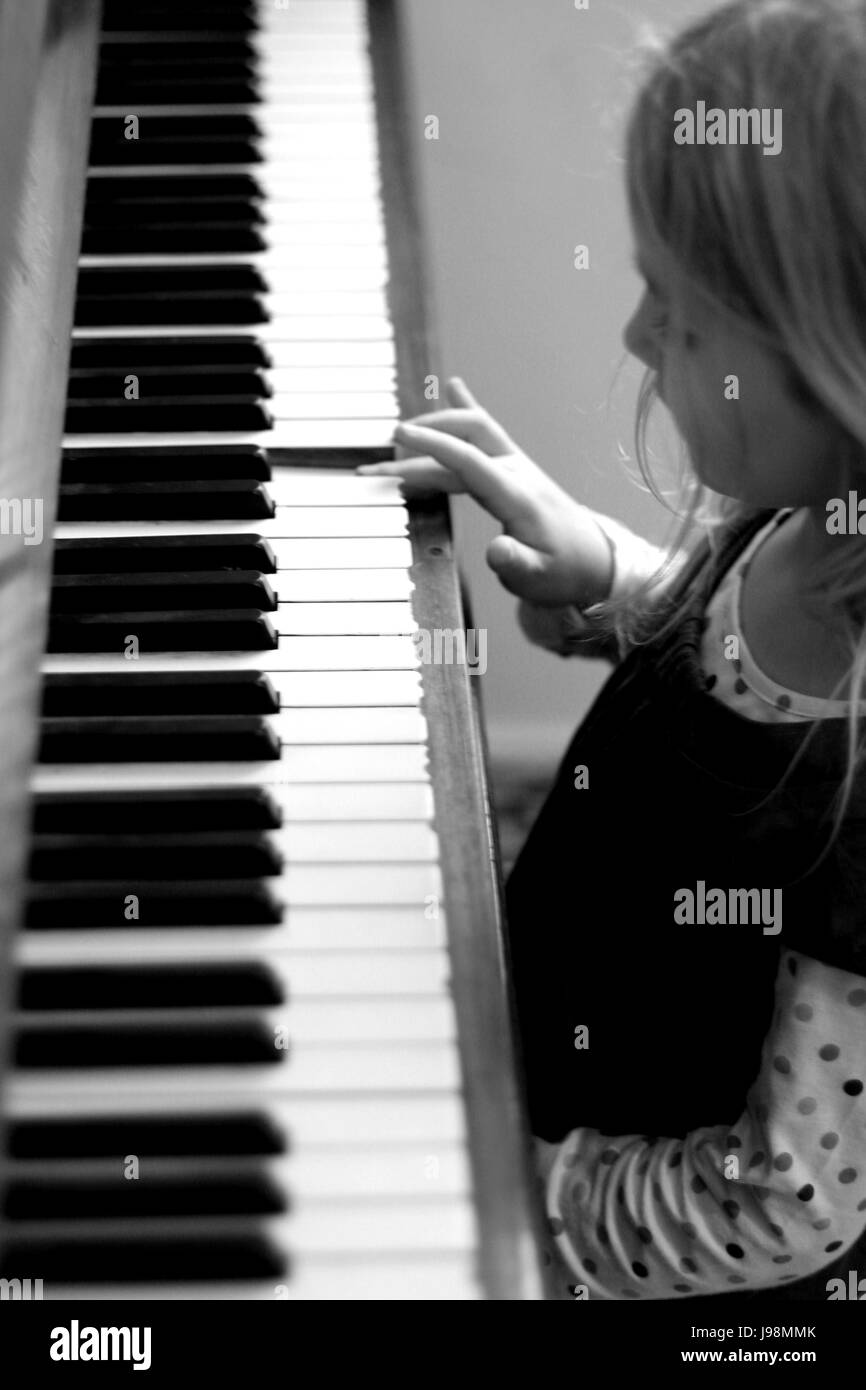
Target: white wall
531 97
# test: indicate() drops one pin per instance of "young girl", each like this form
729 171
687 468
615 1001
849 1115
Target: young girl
696 1066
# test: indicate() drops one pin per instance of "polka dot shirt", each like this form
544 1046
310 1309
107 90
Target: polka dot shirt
779 1193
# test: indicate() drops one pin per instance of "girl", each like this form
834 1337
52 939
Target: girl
695 1066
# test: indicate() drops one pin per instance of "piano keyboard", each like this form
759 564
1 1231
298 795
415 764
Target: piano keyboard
236 1064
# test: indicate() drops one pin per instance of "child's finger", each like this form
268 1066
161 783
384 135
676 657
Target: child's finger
458 393
416 474
488 481
475 426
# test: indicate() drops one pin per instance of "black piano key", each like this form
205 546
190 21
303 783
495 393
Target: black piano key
238 352
166 463
153 554
179 51
229 902
149 150
89 384
181 857
229 308
170 294
230 1043
153 1136
241 1193
164 416
124 1259
179 188
195 809
168 986
122 282
159 693
105 129
220 499
88 593
166 738
127 212
236 630
174 239
215 17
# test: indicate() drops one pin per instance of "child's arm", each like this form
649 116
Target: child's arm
773 1197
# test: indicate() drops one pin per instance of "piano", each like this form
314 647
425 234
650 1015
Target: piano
257 1027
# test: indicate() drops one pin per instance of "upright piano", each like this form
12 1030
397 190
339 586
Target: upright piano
257 1033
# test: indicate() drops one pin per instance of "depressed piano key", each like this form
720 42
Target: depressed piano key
244 1043
230 902
83 1260
239 498
165 857
165 738
159 693
232 630
201 1194
155 554
153 813
86 593
168 354
91 385
167 414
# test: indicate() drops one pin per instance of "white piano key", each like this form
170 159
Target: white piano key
326 1005
289 523
286 434
364 725
332 1120
327 354
406 762
356 802
334 379
302 929
341 586
337 885
346 1069
430 1277
350 303
284 328
346 842
343 619
293 654
281 266
410 1224
357 688
337 405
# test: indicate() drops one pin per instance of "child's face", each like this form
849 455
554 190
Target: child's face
765 447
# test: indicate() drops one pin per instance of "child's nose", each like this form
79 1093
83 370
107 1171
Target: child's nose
639 338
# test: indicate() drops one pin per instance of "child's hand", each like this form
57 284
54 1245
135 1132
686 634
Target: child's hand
551 552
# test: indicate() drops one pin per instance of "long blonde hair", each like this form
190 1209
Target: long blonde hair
778 243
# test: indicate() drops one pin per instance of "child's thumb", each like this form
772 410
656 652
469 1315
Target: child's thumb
519 567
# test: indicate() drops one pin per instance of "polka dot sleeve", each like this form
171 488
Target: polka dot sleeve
751 1205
